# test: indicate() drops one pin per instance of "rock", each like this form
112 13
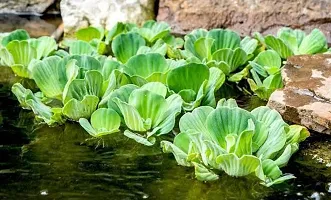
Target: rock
306 97
24 6
35 25
247 16
82 13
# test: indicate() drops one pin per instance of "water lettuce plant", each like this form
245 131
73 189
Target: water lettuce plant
137 80
295 42
232 140
265 66
196 84
148 113
19 50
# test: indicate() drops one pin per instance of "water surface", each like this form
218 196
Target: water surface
56 163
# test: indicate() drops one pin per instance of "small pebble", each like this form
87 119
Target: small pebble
329 185
44 192
299 194
315 196
145 196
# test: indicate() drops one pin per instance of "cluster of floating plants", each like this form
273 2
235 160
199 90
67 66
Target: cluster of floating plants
140 80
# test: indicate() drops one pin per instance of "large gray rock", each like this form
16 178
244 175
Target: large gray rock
306 97
82 13
246 16
24 6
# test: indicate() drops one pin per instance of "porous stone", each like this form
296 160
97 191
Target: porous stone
106 13
246 16
24 6
306 96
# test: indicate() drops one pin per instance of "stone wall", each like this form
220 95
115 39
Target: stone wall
81 13
246 16
25 6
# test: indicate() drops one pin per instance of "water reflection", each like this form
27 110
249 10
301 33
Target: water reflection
58 162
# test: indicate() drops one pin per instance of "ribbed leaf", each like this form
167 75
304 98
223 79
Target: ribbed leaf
89 33
79 47
191 38
125 46
196 120
189 76
180 155
149 105
145 65
75 109
156 87
50 76
204 174
232 58
313 43
224 120
131 116
91 85
234 166
248 45
18 34
44 46
279 46
224 39
203 48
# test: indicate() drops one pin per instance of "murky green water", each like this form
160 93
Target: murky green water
38 162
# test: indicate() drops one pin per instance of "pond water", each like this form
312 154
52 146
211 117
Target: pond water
56 163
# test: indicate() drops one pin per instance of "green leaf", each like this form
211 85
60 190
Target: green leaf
108 67
125 46
203 48
23 53
79 47
131 116
313 43
159 47
145 65
149 105
6 59
244 143
168 119
279 46
121 93
44 46
229 60
191 38
90 85
231 103
50 76
115 30
86 63
189 76
180 155
18 35
234 166
248 45
89 33
51 116
76 109
152 30
196 120
156 87
204 174
265 61
104 121
224 39
224 120
140 139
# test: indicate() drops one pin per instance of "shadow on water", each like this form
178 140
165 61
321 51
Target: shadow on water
37 161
